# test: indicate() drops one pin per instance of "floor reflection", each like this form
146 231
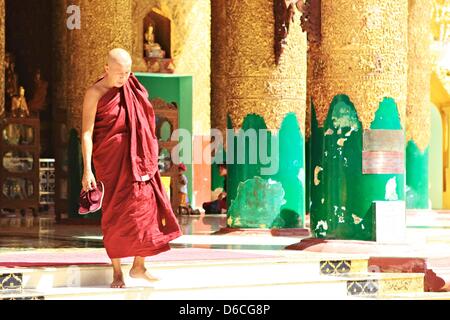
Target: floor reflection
26 235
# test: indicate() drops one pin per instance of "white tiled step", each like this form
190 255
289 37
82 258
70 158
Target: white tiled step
187 273
319 287
322 287
97 293
274 280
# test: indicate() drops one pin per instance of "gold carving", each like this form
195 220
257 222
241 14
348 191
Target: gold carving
407 285
104 26
191 48
362 54
255 84
418 110
284 12
2 57
219 68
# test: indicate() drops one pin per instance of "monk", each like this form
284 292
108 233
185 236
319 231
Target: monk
118 136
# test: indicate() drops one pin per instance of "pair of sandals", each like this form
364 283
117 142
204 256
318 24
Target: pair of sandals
91 201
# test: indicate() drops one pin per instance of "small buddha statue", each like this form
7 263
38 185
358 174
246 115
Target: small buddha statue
19 107
152 48
149 35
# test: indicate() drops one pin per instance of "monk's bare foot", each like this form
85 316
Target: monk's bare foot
142 273
118 282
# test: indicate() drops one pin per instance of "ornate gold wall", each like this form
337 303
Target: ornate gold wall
2 55
191 48
418 109
104 26
255 83
363 54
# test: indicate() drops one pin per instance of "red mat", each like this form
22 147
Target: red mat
45 259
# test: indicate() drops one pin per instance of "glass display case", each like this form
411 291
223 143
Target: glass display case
47 181
19 172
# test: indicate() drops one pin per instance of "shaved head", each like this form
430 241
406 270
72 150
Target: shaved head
118 67
118 56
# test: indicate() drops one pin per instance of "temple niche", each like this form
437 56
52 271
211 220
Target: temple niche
157 43
183 30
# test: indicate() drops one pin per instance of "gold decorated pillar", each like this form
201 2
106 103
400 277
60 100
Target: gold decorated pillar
265 88
218 86
60 68
418 108
2 56
357 91
219 68
104 26
60 71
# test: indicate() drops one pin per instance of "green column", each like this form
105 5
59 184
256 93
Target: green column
341 194
265 89
416 177
257 200
357 86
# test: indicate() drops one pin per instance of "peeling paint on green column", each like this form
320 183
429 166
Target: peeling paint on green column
267 201
341 195
416 177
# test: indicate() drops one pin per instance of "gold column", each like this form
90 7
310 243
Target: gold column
218 71
418 107
104 26
60 54
191 48
363 54
256 84
2 55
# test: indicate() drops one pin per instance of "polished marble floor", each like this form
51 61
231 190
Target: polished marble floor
425 228
41 241
28 233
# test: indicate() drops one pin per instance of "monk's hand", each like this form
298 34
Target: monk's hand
88 181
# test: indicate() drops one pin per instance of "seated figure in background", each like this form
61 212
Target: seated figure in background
219 206
38 102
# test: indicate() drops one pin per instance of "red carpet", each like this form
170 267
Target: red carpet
45 259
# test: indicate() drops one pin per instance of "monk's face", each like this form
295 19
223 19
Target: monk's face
118 73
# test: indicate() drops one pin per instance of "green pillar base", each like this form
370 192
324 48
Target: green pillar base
341 195
267 201
416 177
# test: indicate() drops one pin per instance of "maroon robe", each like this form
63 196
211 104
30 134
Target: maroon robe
137 218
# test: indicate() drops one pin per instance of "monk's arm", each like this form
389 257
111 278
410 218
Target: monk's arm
88 122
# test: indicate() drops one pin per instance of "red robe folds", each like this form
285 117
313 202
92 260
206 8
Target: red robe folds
137 218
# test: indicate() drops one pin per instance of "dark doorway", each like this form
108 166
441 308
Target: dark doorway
29 41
